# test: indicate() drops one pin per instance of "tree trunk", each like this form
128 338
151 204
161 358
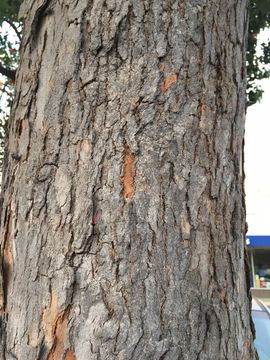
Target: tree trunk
123 215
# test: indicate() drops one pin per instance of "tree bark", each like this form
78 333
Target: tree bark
123 217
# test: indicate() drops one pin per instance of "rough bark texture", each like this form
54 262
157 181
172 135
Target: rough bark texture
123 218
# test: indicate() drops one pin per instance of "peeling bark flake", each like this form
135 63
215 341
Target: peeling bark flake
54 327
59 336
129 174
70 355
168 82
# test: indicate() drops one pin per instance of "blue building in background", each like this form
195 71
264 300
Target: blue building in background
259 256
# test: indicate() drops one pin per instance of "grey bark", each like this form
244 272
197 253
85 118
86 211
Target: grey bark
123 216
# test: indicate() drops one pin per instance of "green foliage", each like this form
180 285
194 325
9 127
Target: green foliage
257 65
9 44
8 51
9 10
9 55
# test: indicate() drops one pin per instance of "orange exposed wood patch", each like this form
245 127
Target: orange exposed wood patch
70 355
54 325
59 336
129 174
168 82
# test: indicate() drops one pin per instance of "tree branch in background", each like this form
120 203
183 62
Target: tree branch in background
9 73
14 27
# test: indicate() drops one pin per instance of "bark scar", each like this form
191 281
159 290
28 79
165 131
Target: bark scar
54 327
128 179
59 336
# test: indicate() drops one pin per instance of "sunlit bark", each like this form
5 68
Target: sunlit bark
123 216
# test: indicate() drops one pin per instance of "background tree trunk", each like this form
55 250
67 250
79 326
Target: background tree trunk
123 210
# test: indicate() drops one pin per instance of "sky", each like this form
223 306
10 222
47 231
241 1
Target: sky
257 165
